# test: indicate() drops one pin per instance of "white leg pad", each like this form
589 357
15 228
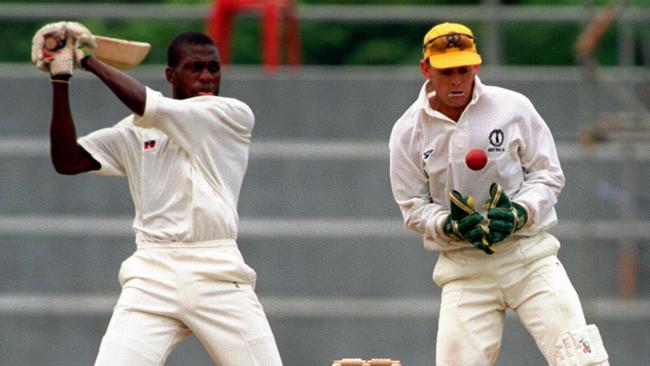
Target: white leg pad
581 347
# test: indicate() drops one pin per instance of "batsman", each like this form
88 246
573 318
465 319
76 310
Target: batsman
489 225
185 159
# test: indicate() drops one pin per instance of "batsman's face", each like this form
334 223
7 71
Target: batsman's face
453 87
198 72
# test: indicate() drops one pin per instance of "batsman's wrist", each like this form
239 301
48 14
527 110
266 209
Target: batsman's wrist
86 51
65 78
87 54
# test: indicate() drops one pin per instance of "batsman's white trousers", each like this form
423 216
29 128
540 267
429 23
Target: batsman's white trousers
524 275
170 292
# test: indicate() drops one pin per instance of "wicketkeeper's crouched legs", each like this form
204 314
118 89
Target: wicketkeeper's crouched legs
470 326
582 346
560 329
524 275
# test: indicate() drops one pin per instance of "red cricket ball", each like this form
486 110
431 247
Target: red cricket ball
476 159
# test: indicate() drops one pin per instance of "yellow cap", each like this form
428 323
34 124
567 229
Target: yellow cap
450 45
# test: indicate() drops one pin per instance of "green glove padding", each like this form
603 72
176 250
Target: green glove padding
464 223
504 216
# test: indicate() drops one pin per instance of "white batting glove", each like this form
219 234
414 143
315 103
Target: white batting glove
84 41
59 47
46 44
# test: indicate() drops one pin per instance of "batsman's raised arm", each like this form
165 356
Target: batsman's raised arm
59 48
67 156
129 90
53 51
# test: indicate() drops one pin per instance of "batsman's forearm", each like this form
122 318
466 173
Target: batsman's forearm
129 90
67 156
63 136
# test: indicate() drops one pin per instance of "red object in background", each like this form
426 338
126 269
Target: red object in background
273 14
476 159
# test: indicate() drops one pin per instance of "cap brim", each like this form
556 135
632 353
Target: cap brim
454 59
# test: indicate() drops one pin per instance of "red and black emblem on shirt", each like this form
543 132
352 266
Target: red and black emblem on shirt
149 145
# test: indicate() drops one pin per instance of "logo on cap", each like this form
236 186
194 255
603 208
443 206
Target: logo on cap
453 40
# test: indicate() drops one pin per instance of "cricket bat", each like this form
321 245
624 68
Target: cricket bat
119 53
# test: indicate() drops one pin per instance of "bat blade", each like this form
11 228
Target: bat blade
121 53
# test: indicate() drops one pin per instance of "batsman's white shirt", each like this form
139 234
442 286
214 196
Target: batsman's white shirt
427 161
185 161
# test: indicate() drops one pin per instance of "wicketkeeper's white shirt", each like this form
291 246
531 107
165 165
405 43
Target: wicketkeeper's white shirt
427 161
185 162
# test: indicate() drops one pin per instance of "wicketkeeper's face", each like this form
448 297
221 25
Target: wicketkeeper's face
198 72
453 86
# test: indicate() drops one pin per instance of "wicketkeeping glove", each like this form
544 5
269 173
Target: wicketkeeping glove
464 223
504 216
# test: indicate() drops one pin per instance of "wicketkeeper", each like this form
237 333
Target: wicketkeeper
185 159
490 226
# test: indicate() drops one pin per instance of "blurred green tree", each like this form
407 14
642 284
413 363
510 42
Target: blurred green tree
345 43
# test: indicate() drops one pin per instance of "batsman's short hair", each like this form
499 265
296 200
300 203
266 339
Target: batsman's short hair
183 39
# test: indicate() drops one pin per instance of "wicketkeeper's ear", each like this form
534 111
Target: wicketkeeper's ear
425 68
